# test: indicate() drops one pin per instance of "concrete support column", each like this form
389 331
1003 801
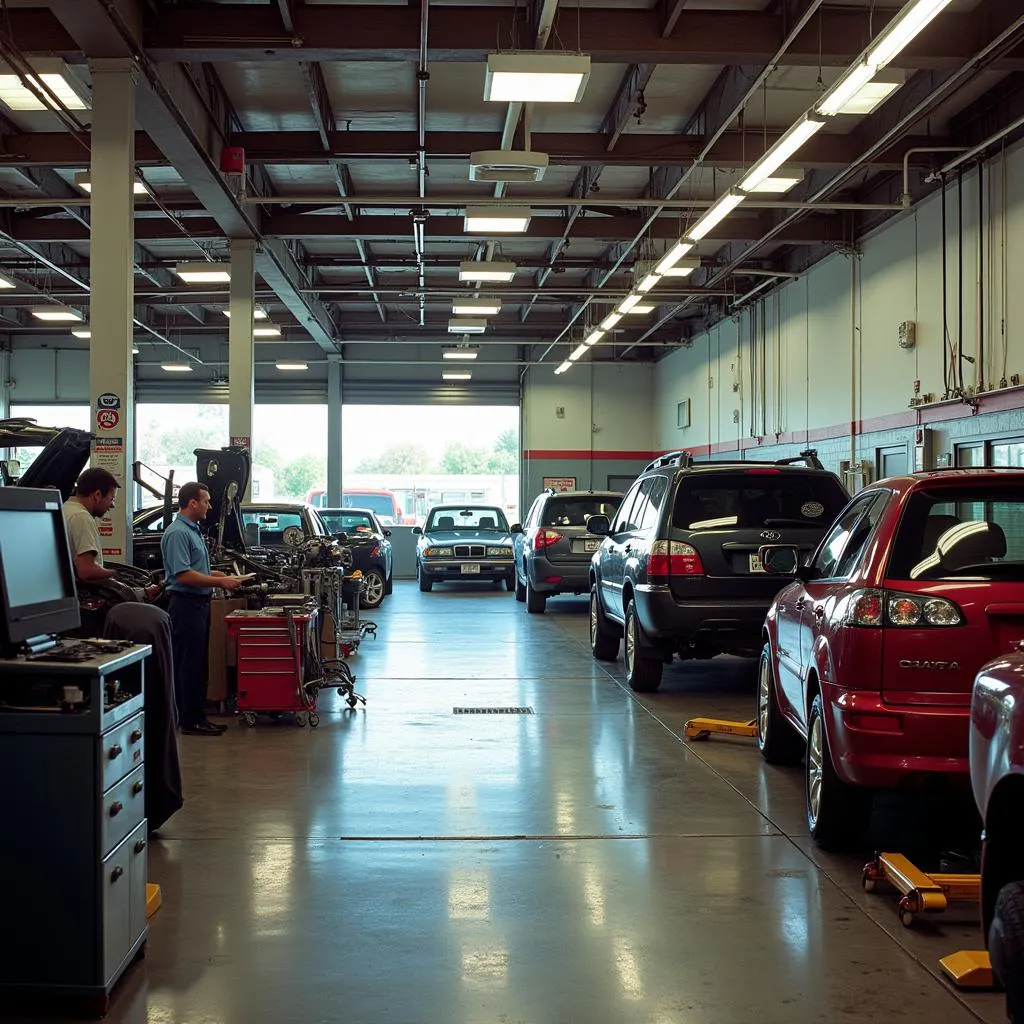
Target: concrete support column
241 345
334 397
112 277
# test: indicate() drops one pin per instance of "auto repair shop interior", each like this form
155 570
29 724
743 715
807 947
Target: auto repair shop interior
743 269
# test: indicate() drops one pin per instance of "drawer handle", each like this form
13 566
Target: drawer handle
135 736
140 846
116 873
114 752
116 808
136 789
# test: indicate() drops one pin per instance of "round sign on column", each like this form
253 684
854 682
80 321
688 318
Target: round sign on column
107 419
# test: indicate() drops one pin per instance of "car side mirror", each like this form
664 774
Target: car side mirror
417 530
600 525
387 533
780 559
516 528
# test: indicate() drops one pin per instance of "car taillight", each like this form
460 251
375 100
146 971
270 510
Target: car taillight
891 608
375 553
672 558
545 538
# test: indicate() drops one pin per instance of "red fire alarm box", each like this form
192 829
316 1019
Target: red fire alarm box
232 160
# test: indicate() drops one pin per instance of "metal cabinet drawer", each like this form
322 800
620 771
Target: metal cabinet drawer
124 806
122 749
138 876
123 880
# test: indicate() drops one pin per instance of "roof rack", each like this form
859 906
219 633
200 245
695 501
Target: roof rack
680 458
809 457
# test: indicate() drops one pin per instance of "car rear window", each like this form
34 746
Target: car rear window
577 511
753 498
962 533
347 522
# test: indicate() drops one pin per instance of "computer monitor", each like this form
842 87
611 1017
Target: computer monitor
37 580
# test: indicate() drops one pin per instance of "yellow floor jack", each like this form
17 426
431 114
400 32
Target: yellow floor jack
702 728
923 893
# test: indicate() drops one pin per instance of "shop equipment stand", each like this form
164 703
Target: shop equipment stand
922 893
702 728
74 849
328 652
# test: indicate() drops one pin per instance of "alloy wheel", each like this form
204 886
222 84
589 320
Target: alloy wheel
815 769
764 681
593 620
630 643
373 589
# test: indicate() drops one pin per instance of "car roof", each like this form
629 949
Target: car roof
582 494
951 475
279 506
343 510
465 504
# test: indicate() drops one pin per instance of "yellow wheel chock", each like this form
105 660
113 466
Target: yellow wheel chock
968 968
153 898
702 728
921 893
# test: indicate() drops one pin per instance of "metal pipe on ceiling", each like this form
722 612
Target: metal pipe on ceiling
419 228
905 195
978 150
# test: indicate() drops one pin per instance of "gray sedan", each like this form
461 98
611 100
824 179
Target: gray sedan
465 542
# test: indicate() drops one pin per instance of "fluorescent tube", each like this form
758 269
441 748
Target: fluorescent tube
716 214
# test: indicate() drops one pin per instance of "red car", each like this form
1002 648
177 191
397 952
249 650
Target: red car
870 653
997 777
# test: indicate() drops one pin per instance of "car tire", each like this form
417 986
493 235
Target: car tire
1006 947
776 738
604 644
373 589
520 588
535 602
426 583
837 813
510 580
643 673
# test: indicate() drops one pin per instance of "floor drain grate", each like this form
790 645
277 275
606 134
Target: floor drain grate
492 711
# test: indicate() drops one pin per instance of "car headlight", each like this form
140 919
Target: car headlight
499 552
438 552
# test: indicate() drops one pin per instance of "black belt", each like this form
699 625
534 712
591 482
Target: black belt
204 598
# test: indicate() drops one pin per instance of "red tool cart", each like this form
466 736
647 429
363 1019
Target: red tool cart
270 664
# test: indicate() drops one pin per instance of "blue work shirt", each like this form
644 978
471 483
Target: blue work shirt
183 548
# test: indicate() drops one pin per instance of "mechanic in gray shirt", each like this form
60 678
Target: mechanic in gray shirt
95 493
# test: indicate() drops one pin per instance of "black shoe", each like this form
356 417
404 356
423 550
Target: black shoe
202 729
219 726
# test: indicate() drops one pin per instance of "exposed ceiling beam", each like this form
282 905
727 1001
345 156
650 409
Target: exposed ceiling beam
253 33
670 11
286 11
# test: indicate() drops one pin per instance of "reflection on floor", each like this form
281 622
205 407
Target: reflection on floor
576 864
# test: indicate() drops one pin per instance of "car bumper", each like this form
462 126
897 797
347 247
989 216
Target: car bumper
884 745
440 570
721 623
573 577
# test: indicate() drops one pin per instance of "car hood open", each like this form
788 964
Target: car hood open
65 453
225 471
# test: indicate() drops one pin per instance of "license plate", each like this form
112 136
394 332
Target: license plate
591 545
470 568
755 564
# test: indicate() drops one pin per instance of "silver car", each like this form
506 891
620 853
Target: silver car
464 542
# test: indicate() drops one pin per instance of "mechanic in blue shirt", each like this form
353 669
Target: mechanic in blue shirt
190 584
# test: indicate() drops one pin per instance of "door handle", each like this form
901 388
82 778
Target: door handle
800 602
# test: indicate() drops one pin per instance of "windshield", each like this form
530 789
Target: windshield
467 518
577 511
266 529
968 532
347 522
755 498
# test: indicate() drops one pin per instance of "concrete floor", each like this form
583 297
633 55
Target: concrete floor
407 865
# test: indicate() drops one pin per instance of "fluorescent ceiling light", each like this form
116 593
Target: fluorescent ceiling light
135 351
870 95
684 268
787 145
7 282
901 30
673 256
267 331
59 314
850 83
642 307
456 375
176 367
610 320
486 270
648 282
476 307
633 303
82 180
593 337
578 352
49 71
536 77
467 325
563 367
257 314
485 220
716 214
781 182
81 332
291 366
460 353
204 273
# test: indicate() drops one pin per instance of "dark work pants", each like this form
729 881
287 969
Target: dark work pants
190 638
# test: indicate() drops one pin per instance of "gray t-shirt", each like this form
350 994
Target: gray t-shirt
83 534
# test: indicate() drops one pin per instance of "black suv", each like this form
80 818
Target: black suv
678 571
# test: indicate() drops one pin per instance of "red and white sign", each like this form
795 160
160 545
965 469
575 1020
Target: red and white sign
107 419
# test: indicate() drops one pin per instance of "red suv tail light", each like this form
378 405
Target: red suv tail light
892 608
545 538
672 558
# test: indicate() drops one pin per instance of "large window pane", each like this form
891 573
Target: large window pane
48 416
289 451
166 435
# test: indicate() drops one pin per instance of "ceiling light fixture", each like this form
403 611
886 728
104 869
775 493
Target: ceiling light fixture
467 325
629 303
594 337
476 307
684 268
291 366
486 220
673 256
81 332
870 95
563 367
50 72
486 270
715 214
135 351
610 320
781 182
7 282
536 77
901 30
578 352
456 375
267 331
648 282
181 367
56 314
204 273
460 353
257 314
777 155
848 85
84 182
